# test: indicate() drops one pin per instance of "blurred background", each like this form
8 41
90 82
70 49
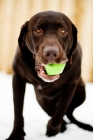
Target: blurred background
13 13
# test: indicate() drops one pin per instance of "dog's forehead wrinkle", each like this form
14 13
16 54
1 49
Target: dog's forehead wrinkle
50 18
50 21
51 24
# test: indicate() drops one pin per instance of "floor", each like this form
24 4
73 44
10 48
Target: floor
36 119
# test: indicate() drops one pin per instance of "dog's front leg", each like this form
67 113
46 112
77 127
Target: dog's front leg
18 98
55 123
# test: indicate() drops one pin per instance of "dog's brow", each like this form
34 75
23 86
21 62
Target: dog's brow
45 25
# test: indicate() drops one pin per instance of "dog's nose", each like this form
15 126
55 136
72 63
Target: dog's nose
51 52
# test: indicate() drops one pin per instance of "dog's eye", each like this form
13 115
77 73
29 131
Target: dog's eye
38 31
63 31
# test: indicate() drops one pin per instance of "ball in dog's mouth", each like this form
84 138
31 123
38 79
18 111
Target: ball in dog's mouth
54 68
43 71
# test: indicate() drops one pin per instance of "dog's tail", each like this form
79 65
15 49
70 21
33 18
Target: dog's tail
79 124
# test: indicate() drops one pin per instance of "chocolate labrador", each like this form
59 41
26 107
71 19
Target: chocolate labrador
48 37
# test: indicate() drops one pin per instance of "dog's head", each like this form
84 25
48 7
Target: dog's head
51 37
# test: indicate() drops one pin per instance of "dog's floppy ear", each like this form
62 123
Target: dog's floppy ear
74 45
24 29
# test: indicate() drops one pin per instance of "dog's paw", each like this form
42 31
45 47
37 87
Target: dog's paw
15 135
63 126
52 131
20 137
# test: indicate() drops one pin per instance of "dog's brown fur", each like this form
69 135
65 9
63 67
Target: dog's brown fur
48 37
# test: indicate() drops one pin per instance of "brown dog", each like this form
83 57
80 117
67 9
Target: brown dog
48 37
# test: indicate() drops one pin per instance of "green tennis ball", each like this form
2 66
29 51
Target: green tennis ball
53 69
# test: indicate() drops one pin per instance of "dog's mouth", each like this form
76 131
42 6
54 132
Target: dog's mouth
43 74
